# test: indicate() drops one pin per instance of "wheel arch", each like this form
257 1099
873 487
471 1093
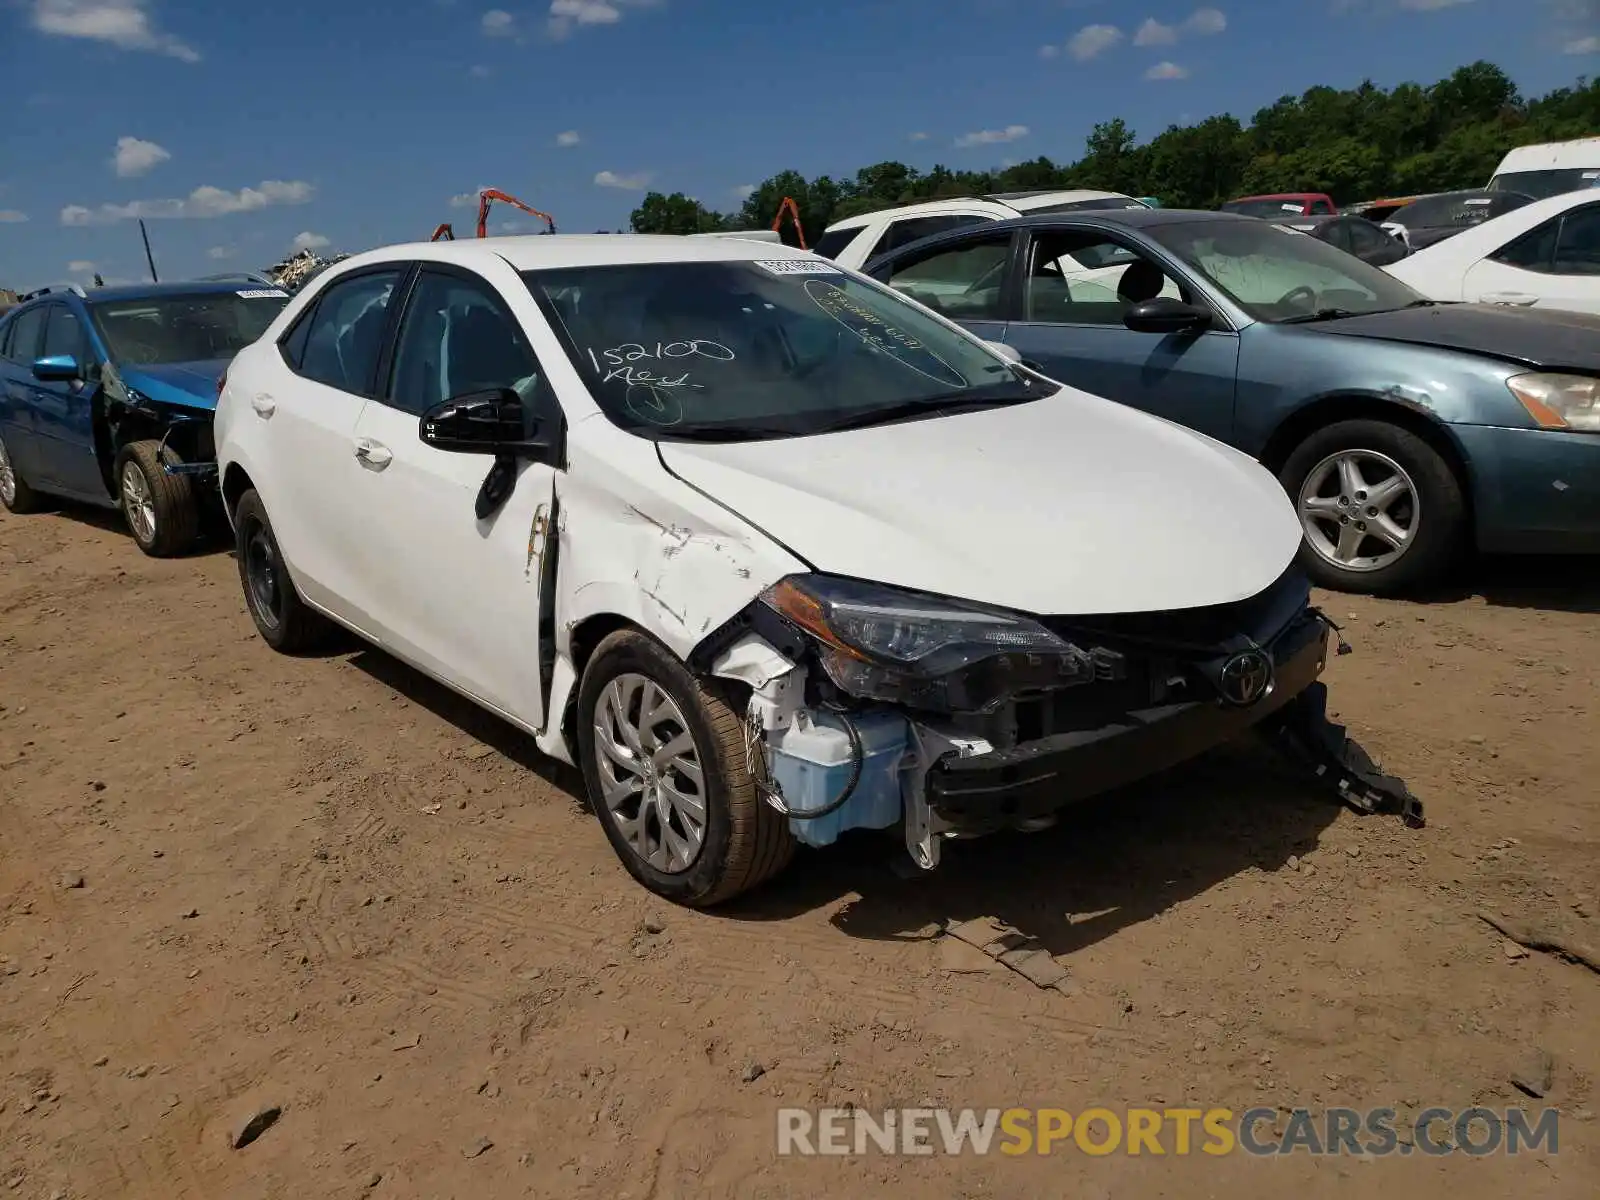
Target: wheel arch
1354 406
236 482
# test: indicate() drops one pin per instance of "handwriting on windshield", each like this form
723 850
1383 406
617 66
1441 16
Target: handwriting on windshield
879 335
638 365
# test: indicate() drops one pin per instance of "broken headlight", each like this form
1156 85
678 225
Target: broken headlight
881 643
1559 401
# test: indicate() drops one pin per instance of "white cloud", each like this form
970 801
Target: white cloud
628 183
469 199
479 71
919 136
497 22
1092 40
570 137
1583 45
990 137
745 190
80 266
1204 22
1167 70
1049 51
221 252
135 156
10 216
308 241
567 15
1154 33
203 202
121 23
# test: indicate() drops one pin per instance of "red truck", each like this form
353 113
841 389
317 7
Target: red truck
1284 204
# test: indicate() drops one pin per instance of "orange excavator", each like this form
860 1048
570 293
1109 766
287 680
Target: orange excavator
789 206
486 198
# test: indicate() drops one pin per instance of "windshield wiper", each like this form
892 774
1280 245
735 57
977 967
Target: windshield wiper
943 405
1322 314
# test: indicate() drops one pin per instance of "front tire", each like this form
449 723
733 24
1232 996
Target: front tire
1381 511
284 621
664 766
15 493
160 509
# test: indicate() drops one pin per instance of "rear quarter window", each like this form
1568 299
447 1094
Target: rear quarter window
830 244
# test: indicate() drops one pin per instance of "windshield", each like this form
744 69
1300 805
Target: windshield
175 329
739 349
1458 209
1540 184
1277 273
1269 207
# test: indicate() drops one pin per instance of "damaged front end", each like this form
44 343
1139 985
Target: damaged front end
871 706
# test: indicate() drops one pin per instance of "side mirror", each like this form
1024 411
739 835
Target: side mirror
489 422
1166 315
57 368
1009 353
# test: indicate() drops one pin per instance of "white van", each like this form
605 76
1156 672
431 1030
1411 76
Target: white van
1550 168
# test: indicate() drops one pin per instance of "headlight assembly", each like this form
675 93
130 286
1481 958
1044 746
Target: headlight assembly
881 643
1559 401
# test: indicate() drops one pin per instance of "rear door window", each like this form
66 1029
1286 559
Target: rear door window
964 281
832 243
344 338
911 229
1578 247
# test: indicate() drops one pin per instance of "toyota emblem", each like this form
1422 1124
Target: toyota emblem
1246 678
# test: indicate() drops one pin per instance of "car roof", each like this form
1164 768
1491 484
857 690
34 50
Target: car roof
1093 218
1280 196
1016 201
534 252
154 291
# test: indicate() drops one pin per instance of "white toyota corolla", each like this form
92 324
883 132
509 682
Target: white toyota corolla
767 550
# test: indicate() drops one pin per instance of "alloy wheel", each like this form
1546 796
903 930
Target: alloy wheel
652 780
138 503
1359 510
8 477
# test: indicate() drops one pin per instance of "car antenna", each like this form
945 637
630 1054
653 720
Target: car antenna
148 257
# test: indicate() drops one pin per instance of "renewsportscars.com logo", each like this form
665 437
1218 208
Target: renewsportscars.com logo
1261 1132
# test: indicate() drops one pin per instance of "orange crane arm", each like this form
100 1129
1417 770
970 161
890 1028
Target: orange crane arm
488 195
443 232
793 209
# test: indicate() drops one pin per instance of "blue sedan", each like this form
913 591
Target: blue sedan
1405 431
107 398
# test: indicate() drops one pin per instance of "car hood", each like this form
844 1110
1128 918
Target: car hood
188 384
1547 338
1069 505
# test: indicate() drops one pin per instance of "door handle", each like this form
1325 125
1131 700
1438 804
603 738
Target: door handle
1521 299
264 404
373 454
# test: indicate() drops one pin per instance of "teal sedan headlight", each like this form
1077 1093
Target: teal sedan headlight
1559 401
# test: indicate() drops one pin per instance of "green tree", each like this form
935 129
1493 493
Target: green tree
676 213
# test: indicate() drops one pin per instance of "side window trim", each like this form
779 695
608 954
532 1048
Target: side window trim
391 352
405 272
1222 323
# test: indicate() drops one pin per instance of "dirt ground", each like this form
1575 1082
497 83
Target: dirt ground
230 879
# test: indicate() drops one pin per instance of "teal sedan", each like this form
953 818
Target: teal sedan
1405 431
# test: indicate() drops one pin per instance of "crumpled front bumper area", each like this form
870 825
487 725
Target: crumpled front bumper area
998 789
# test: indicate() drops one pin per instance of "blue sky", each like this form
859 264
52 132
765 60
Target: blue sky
240 127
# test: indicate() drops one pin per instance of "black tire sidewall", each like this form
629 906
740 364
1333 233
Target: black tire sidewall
633 652
1442 528
249 516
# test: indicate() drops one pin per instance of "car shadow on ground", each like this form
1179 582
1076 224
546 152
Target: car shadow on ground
1565 584
1109 863
466 716
211 540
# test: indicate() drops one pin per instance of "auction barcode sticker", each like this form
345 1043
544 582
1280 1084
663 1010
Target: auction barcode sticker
796 266
263 294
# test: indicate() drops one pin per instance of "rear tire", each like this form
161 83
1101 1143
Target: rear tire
15 493
160 509
742 841
1355 485
284 621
